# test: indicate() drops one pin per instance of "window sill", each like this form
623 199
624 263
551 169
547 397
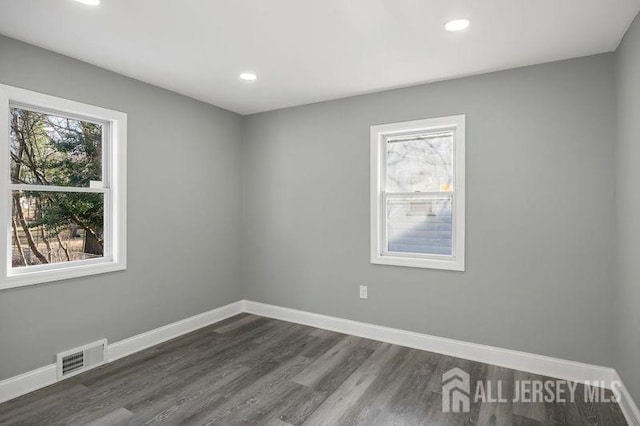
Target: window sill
25 278
451 264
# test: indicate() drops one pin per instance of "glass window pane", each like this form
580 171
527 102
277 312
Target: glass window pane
51 150
420 164
420 225
54 227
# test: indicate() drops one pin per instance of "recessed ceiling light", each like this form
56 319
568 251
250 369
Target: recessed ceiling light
89 2
248 76
457 25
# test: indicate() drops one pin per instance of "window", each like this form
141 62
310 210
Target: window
417 193
63 199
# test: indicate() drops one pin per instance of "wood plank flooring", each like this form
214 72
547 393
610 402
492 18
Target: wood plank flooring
251 370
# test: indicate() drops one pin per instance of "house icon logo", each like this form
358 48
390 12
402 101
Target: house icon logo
456 396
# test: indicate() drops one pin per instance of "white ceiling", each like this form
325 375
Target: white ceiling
311 50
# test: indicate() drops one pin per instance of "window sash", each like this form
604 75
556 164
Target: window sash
421 135
417 196
107 255
52 188
106 132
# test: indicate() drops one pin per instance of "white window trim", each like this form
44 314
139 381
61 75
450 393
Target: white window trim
379 134
115 164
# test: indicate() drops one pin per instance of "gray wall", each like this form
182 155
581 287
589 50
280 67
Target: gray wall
627 325
540 211
184 216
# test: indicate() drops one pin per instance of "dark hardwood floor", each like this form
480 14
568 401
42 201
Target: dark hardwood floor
252 370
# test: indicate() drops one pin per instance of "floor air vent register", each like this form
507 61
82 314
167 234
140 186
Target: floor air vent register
75 361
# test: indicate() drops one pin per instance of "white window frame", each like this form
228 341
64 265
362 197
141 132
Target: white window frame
114 189
379 136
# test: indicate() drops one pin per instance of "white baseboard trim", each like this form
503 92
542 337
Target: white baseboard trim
30 381
627 404
523 361
156 336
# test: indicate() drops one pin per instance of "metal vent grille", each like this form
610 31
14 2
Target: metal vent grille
80 359
72 362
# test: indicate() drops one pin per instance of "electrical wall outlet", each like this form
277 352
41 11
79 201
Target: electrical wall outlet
363 292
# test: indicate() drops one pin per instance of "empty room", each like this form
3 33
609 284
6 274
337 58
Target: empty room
336 212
